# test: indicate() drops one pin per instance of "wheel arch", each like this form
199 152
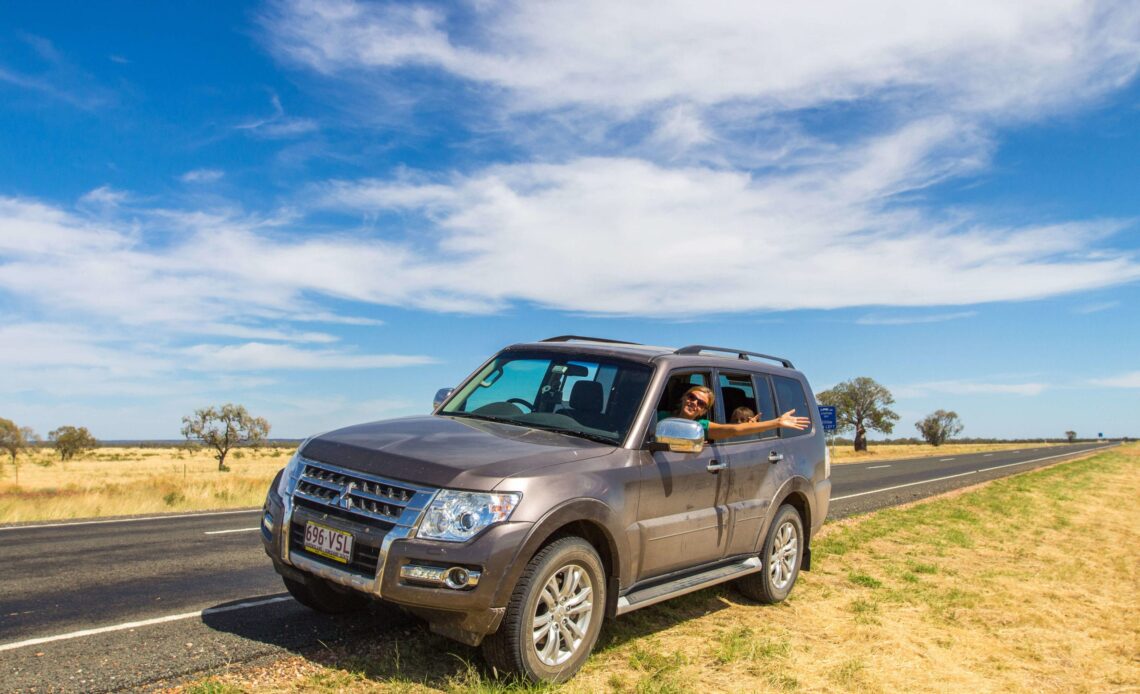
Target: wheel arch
589 519
797 493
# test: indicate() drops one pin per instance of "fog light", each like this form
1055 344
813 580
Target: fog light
457 577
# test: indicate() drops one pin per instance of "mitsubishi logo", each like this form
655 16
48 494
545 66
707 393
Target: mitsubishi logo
344 501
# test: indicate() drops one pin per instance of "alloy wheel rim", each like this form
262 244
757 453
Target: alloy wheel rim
782 560
562 615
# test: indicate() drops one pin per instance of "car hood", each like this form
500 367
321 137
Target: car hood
441 451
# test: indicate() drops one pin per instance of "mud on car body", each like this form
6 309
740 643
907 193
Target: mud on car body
543 495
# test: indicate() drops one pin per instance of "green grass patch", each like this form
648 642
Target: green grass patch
862 579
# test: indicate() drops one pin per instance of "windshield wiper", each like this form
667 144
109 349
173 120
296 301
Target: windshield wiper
484 417
576 432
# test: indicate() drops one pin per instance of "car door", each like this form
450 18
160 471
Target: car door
682 519
755 466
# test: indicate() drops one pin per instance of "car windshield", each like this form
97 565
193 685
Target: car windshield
587 396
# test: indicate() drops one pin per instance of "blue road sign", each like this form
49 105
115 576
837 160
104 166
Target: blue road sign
827 415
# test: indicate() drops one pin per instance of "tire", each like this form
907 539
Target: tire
780 557
316 594
554 614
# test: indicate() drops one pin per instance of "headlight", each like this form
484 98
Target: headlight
459 516
292 471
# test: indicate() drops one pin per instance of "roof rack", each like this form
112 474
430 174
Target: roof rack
580 338
740 354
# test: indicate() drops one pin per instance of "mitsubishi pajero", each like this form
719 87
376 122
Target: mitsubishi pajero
549 491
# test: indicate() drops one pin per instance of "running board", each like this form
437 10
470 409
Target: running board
687 584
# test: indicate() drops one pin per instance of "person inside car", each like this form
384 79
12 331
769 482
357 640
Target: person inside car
741 415
697 401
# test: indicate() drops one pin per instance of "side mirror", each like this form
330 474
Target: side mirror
440 395
680 435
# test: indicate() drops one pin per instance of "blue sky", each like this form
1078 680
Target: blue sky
327 210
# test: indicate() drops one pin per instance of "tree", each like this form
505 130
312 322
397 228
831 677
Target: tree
939 426
70 441
223 428
14 440
861 404
1071 436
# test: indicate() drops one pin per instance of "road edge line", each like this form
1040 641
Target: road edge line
129 520
141 623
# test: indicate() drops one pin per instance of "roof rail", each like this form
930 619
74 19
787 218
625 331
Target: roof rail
580 338
740 354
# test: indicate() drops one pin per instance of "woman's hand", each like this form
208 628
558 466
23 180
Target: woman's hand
792 422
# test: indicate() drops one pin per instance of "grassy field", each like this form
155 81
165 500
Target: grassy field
846 454
139 480
127 481
1025 584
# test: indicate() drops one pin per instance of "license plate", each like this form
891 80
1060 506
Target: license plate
325 541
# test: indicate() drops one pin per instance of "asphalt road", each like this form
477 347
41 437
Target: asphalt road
114 605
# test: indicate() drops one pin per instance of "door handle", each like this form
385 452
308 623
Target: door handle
775 457
715 466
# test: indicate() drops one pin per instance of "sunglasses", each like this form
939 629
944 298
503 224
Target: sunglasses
693 397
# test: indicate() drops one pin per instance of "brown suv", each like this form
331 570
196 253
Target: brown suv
544 493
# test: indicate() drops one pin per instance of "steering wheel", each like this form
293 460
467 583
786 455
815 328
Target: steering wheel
520 401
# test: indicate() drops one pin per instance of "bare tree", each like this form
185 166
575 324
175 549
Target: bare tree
1071 435
223 428
861 404
71 441
939 426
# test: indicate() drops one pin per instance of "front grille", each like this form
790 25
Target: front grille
368 506
358 496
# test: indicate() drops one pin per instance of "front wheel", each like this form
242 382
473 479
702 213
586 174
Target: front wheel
554 615
783 551
316 594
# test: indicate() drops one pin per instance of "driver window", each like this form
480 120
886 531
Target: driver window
676 387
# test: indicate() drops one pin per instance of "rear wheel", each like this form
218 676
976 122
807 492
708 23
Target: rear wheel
318 594
554 615
781 556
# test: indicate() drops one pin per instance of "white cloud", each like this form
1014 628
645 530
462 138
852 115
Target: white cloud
202 176
1096 308
623 236
256 356
279 125
1125 380
104 196
984 56
881 319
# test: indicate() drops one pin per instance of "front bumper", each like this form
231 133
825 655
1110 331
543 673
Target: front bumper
403 566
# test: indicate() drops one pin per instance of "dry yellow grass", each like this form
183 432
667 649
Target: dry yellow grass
134 480
845 454
1025 584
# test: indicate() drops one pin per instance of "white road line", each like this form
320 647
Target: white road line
876 467
223 532
986 455
141 623
950 477
129 520
943 460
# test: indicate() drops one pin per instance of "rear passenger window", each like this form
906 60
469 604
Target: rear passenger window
790 396
736 392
